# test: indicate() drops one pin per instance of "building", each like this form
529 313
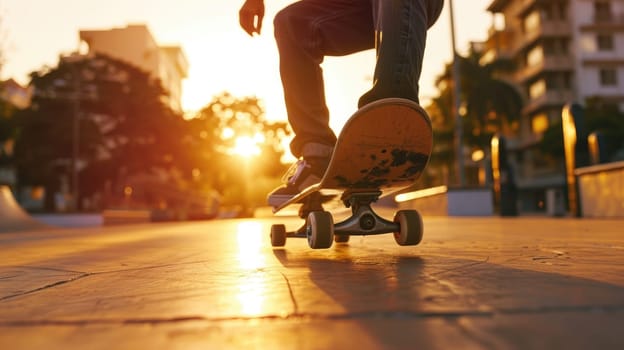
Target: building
17 95
565 51
135 44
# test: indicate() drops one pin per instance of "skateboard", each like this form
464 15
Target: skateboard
383 148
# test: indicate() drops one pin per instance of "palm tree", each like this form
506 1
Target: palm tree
489 104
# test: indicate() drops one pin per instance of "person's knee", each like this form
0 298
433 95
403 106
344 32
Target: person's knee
434 9
282 23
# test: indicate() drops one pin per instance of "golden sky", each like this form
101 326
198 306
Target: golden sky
221 56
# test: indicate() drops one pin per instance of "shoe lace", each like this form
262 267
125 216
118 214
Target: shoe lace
294 171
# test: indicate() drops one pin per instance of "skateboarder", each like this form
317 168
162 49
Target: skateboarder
307 31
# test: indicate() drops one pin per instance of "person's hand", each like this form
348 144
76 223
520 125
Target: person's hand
251 15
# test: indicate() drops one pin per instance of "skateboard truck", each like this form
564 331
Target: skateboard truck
320 230
363 221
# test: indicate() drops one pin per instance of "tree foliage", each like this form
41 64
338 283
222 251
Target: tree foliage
489 105
601 117
7 123
218 130
7 130
129 137
125 126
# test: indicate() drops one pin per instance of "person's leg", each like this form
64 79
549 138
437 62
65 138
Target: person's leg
305 32
400 35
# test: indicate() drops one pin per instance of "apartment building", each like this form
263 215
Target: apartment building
136 45
565 51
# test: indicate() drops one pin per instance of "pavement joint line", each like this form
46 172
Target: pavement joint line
448 315
48 286
46 268
291 292
152 267
87 274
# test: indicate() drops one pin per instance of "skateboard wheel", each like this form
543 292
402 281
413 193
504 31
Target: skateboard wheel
278 235
320 230
410 227
341 238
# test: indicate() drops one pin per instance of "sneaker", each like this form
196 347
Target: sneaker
303 174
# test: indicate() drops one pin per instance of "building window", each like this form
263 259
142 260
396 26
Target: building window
532 22
558 81
539 123
537 89
602 11
562 10
535 57
566 80
605 42
608 77
548 13
555 46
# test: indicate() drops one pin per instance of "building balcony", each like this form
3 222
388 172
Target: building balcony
601 24
546 29
498 5
499 44
552 98
549 64
556 28
500 40
527 6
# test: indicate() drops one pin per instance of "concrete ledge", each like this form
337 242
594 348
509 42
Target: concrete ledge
477 201
601 190
123 217
444 201
429 202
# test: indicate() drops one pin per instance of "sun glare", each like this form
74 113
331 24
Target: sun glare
252 293
227 133
247 146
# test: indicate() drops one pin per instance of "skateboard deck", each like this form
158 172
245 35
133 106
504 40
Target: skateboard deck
383 148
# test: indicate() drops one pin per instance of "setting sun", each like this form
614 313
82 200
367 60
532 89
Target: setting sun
247 146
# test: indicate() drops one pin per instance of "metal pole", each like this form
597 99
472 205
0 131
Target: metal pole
459 149
75 138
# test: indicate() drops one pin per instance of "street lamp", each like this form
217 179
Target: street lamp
76 138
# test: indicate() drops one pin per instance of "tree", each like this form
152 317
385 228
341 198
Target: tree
125 125
600 116
241 150
7 125
7 130
488 104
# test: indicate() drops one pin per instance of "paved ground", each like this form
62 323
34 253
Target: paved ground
474 283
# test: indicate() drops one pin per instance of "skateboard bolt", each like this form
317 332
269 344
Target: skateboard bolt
367 222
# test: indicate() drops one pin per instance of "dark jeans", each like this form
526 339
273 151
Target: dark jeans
308 30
